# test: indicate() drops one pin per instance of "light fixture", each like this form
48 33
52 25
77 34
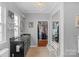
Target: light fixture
39 5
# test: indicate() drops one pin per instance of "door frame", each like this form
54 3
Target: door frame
60 8
55 20
37 30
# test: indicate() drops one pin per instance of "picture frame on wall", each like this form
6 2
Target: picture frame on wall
30 24
77 21
10 14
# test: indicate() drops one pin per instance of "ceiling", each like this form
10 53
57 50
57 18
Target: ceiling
35 7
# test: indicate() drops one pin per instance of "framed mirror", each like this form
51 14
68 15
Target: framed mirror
55 31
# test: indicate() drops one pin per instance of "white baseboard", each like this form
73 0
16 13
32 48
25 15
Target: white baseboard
70 52
33 46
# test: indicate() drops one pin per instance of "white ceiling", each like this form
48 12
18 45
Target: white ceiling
31 7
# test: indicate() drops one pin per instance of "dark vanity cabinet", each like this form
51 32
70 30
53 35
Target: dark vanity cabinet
13 49
27 41
19 46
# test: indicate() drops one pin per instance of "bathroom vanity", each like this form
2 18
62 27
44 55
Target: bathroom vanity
19 46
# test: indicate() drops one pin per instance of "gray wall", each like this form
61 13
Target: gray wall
71 10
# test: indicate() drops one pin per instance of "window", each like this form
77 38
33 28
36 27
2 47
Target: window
16 25
2 24
0 14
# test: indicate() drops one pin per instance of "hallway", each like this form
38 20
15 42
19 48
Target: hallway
22 33
38 52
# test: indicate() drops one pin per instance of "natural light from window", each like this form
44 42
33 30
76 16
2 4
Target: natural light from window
16 25
0 26
16 20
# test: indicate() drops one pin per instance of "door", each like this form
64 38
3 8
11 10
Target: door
42 33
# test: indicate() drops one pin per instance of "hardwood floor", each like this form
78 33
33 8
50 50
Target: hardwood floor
42 43
38 52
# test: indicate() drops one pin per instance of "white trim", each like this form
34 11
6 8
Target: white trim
33 46
62 29
2 42
70 52
60 7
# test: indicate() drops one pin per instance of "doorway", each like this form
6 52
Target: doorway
42 33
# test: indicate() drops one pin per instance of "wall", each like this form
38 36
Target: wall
11 7
34 17
71 10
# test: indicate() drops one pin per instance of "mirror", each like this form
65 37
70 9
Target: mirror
55 31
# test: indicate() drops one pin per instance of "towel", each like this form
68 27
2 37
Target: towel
18 48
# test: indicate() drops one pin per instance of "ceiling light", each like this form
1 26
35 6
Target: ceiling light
39 5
